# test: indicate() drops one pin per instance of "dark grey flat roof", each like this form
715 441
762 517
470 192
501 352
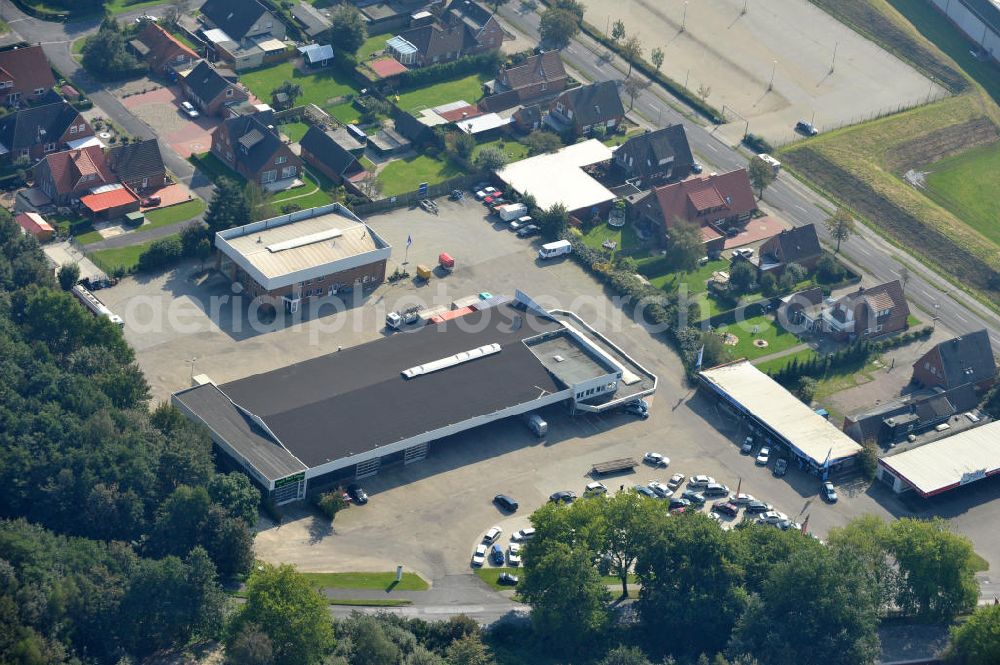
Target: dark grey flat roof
238 430
353 401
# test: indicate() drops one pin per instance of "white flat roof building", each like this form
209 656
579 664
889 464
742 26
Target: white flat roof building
970 455
782 415
302 246
558 177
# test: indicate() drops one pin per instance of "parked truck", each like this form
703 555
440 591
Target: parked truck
96 307
511 211
404 317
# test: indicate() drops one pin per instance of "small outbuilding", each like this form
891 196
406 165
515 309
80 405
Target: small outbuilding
33 224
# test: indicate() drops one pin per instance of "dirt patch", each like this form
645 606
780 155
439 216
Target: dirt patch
944 142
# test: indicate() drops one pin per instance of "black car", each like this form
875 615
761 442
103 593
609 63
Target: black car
806 128
715 489
505 502
506 579
357 494
780 467
678 502
696 167
528 231
694 497
565 496
756 507
636 409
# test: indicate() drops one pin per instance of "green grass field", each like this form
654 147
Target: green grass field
381 581
405 175
116 7
174 214
469 88
777 338
370 602
213 167
372 45
625 237
125 257
514 150
695 281
294 130
304 196
490 574
345 112
317 87
959 183
776 364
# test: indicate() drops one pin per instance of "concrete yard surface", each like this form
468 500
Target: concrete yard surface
734 55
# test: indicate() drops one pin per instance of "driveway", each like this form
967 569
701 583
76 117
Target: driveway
160 110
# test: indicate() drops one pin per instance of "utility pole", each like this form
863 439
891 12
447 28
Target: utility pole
686 76
770 85
743 13
834 61
684 20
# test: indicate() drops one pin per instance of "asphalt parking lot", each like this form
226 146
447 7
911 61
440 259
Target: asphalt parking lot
428 516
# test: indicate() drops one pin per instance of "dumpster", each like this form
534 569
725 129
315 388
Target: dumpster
423 272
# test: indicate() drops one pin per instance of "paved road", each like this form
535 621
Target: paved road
56 39
875 257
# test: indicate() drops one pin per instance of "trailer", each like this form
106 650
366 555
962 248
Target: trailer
96 307
623 465
446 261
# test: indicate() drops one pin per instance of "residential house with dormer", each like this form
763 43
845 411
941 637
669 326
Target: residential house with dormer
211 92
163 52
31 133
586 108
249 145
242 32
64 176
655 157
799 245
967 359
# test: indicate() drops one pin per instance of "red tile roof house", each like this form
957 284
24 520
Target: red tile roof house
713 202
538 76
254 150
25 75
464 29
864 314
587 107
796 245
68 175
163 52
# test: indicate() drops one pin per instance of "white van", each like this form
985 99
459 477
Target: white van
537 425
770 161
554 249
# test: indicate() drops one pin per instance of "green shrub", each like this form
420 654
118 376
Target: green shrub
161 253
330 503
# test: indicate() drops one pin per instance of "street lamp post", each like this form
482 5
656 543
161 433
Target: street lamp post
684 20
191 362
774 65
834 60
742 13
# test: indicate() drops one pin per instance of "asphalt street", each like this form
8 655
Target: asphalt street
879 260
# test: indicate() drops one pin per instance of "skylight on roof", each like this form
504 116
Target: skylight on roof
302 241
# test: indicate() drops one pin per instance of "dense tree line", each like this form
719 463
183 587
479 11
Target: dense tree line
752 592
146 524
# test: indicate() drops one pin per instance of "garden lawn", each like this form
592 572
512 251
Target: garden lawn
372 45
174 214
775 364
469 88
777 338
213 167
116 7
695 280
380 581
515 151
317 87
372 602
625 237
310 195
294 130
125 257
345 112
405 175
959 183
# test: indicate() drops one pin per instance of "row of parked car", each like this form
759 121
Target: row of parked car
492 550
763 457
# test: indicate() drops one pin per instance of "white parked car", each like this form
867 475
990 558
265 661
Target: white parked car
773 516
492 534
745 252
675 481
523 534
595 488
514 554
700 481
479 556
742 499
661 490
189 109
763 456
480 195
656 459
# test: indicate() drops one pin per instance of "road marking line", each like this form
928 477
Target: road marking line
801 208
712 147
927 294
960 317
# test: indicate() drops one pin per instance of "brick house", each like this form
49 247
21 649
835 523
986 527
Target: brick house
654 158
25 75
323 152
713 202
539 76
963 360
586 108
866 313
163 52
796 245
465 29
138 164
242 20
253 149
70 174
210 91
32 133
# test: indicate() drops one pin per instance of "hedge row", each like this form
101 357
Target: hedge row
663 309
42 13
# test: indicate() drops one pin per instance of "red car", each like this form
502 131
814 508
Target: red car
726 508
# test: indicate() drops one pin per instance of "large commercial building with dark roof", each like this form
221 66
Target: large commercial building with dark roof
346 414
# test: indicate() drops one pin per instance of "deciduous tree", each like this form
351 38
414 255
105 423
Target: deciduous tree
631 50
617 30
347 28
977 640
69 275
656 56
841 226
937 576
558 27
491 159
761 175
